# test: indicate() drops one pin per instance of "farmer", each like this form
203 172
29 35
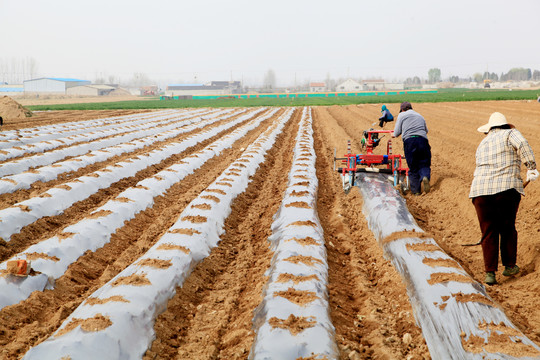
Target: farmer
496 191
416 146
386 116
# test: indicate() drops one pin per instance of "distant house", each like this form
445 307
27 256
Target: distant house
52 85
317 87
373 84
349 85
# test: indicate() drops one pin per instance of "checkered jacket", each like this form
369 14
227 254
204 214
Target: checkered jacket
498 162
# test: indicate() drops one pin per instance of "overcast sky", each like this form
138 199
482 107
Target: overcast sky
307 40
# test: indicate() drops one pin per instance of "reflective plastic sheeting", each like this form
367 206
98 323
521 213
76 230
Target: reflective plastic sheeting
458 318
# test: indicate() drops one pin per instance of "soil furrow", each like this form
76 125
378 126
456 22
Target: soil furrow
49 226
368 301
211 314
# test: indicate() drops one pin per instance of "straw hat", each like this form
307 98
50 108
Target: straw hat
496 119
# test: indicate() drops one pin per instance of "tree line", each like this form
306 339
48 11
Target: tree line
514 74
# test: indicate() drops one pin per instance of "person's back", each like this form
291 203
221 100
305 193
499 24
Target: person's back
412 126
410 123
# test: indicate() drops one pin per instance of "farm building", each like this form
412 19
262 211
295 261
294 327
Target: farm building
317 87
11 89
90 90
52 85
349 85
212 88
373 84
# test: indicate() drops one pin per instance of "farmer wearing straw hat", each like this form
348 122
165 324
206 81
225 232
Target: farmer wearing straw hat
496 191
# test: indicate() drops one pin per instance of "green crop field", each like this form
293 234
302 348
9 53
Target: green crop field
443 95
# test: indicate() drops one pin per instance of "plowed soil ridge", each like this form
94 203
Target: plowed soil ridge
44 310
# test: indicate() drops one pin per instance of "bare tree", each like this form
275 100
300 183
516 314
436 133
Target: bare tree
140 79
269 81
434 75
32 66
16 70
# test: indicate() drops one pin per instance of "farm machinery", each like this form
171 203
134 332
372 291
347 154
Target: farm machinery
372 163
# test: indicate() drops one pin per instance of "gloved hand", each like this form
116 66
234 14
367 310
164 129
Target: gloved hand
532 175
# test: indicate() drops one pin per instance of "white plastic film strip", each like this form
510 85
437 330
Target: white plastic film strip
69 138
52 257
458 318
26 136
293 319
22 136
54 201
115 138
46 166
126 307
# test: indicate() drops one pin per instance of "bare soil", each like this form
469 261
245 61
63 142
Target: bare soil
210 317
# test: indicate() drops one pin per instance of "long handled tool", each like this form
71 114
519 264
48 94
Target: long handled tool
525 183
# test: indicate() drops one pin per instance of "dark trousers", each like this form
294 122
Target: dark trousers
497 218
418 156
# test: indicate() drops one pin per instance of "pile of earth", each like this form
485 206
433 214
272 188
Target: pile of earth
10 109
119 92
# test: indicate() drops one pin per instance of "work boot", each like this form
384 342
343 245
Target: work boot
425 183
490 278
510 270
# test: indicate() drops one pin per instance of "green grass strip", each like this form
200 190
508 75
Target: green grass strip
443 95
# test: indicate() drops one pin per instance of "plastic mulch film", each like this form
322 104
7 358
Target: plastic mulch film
458 318
117 320
293 319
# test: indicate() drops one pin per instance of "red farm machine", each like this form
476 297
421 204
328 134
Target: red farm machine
372 163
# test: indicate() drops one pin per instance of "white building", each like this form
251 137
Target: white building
349 85
212 88
317 87
52 85
373 84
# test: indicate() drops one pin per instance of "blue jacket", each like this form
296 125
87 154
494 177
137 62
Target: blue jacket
386 115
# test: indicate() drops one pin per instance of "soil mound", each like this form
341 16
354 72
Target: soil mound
10 109
119 92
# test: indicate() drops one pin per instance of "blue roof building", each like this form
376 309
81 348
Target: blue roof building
52 85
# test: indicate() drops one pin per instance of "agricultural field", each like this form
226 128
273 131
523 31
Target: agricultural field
442 95
224 233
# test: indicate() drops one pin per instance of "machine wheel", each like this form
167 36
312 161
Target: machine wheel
403 188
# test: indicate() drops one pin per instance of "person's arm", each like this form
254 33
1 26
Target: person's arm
397 128
383 117
525 152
